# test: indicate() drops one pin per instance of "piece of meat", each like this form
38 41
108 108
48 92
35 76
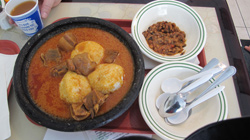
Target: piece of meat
93 101
59 70
70 65
51 55
78 112
90 105
81 64
98 99
67 42
110 56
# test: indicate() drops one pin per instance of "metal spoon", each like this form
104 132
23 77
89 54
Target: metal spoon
185 113
171 107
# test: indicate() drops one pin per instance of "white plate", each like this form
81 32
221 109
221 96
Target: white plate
186 18
213 110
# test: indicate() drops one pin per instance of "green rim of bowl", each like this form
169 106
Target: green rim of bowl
160 58
143 98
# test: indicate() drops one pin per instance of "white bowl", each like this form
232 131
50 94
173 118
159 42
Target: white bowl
213 110
186 18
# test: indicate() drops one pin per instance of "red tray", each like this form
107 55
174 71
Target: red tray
9 48
131 121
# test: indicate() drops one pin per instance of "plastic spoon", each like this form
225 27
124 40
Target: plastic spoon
212 63
185 113
178 102
230 71
173 98
173 85
160 99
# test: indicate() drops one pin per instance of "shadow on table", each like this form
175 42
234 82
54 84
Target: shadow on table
231 129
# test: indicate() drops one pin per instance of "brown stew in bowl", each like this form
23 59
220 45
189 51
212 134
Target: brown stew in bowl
165 38
44 87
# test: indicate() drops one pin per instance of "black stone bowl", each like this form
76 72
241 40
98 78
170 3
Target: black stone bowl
21 68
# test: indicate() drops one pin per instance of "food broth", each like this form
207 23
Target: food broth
44 88
22 8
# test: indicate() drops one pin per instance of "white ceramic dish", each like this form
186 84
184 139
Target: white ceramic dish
213 110
186 18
